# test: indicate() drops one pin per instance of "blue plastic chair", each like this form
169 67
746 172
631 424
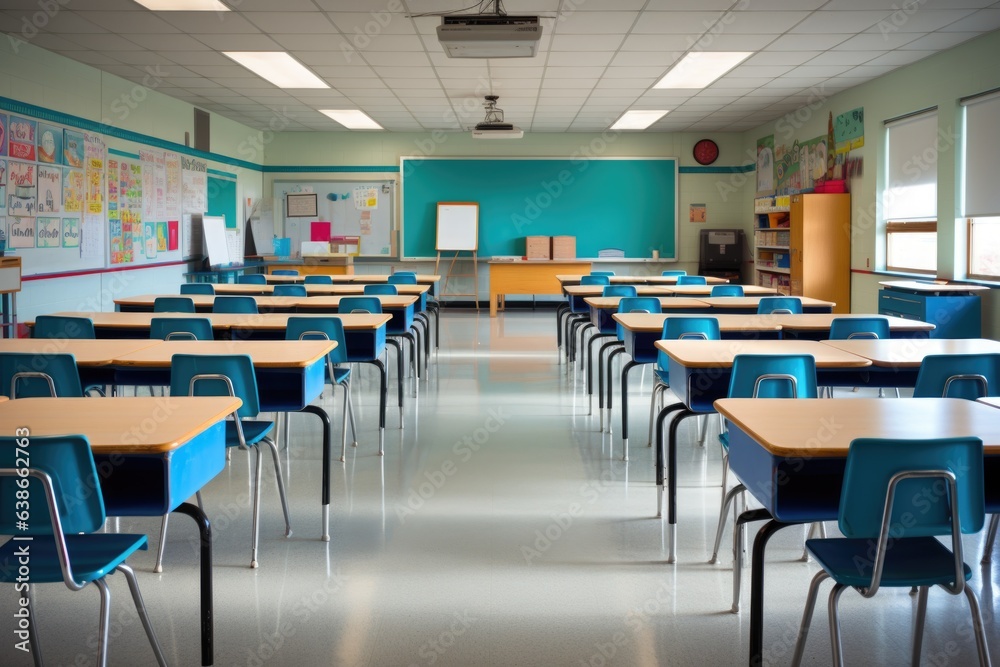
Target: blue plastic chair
760 376
691 280
318 280
676 328
359 304
60 326
66 546
290 290
602 273
231 375
897 496
595 279
673 273
181 328
422 310
400 278
847 328
788 305
285 272
726 290
31 375
197 288
239 305
173 304
381 288
252 279
329 328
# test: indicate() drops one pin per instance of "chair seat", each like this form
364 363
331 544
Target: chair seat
913 561
253 432
340 375
92 556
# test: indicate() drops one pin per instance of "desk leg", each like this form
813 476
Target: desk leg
610 387
660 418
207 620
600 379
325 495
383 395
757 590
400 369
672 481
629 366
493 303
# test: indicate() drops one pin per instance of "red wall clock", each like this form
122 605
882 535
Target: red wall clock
706 151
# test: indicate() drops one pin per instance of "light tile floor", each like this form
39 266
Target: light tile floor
499 529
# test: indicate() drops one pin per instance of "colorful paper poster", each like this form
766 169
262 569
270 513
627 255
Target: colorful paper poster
71 232
49 231
147 160
698 213
3 184
130 209
49 189
172 169
114 217
194 185
365 198
20 232
849 130
173 234
94 160
161 236
92 237
149 238
812 162
73 148
50 144
72 195
159 188
3 134
765 165
21 189
21 138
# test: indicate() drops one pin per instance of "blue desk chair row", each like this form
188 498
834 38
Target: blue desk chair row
423 309
779 305
318 280
577 317
290 290
197 288
285 272
174 304
726 290
691 280
847 328
252 279
427 303
60 326
235 305
395 330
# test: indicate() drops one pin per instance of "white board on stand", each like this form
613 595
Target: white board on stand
457 226
216 245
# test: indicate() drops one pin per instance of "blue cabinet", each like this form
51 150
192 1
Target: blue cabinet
954 310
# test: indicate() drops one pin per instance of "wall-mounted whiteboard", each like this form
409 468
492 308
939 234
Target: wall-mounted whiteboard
457 226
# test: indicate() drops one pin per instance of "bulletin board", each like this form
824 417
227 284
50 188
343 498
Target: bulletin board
626 203
354 208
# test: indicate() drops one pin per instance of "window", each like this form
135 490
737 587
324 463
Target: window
981 194
910 195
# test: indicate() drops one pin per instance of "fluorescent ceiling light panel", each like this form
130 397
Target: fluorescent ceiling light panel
183 5
352 119
700 68
277 67
638 119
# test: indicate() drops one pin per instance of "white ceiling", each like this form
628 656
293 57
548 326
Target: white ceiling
597 59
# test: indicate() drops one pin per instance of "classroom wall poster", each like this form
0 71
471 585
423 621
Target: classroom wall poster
130 209
149 238
73 148
94 159
50 143
161 236
21 190
72 195
3 185
48 231
765 165
71 232
20 232
812 162
365 198
114 215
21 138
3 134
849 130
159 187
92 237
194 185
172 164
49 188
147 159
173 234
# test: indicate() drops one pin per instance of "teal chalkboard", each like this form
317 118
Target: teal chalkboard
221 199
626 203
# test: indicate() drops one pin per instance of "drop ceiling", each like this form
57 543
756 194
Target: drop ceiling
598 58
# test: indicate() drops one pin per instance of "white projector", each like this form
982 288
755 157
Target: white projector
497 131
489 36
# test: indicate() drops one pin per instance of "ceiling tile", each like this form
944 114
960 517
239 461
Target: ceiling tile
595 23
223 23
365 23
130 22
676 23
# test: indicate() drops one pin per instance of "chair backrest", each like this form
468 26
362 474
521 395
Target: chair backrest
320 328
252 279
402 279
359 304
679 328
290 290
405 273
791 305
386 289
602 273
69 463
691 280
921 506
318 280
58 326
773 376
235 304
595 280
726 290
197 288
639 304
173 304
968 376
213 369
30 375
843 328
673 273
285 272
619 290
181 328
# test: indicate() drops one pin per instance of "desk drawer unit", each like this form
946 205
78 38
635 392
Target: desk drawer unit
954 316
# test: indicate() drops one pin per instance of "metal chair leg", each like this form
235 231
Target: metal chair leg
838 649
727 500
991 538
140 607
102 633
918 625
163 543
281 484
343 425
807 614
256 507
977 625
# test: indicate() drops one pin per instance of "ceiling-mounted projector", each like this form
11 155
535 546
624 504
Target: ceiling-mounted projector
489 35
494 127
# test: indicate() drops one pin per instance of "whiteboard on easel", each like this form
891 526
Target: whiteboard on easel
216 244
457 226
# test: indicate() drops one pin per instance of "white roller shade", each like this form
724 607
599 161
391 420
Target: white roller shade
982 148
911 168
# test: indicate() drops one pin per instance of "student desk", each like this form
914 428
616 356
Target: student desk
153 454
94 358
699 374
312 290
531 276
422 278
403 303
574 279
747 305
706 290
790 454
816 326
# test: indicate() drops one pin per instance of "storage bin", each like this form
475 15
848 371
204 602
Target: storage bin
563 247
537 247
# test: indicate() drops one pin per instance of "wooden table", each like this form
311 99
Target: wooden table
748 304
706 290
205 302
145 471
896 361
700 371
580 291
574 279
790 454
529 277
88 353
816 326
250 289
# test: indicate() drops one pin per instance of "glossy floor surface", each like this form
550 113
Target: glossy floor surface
500 528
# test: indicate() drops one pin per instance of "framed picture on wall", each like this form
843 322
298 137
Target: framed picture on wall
301 205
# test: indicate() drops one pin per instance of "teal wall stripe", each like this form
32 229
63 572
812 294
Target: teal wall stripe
115 151
223 174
